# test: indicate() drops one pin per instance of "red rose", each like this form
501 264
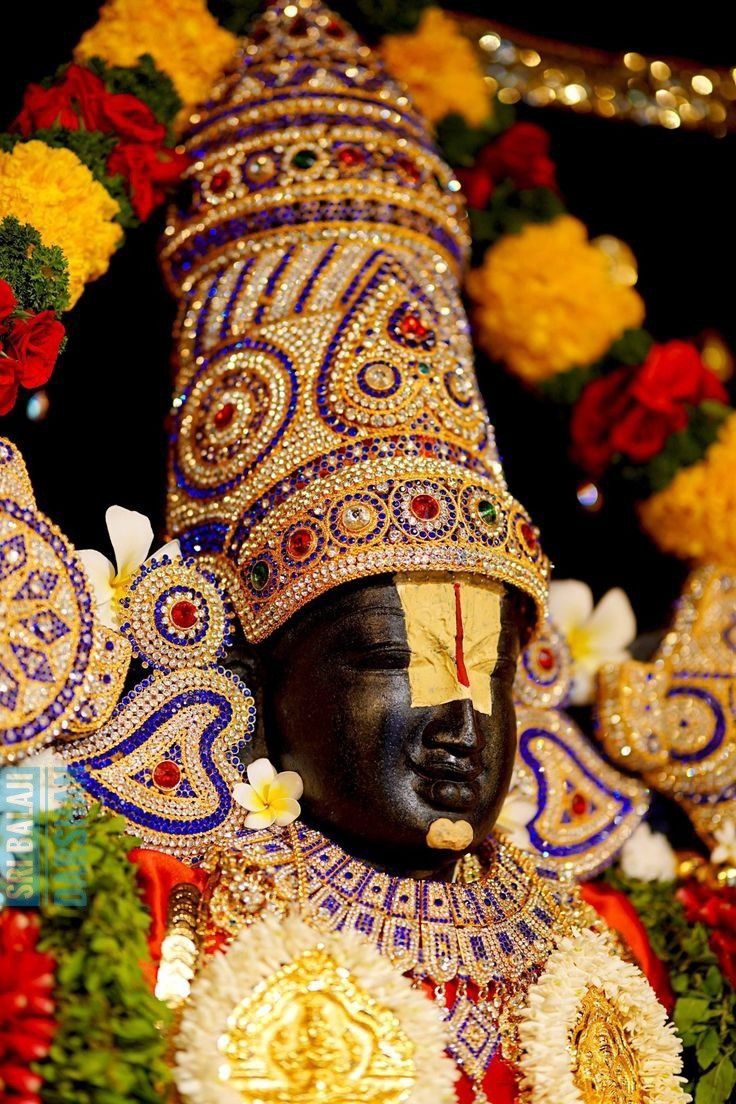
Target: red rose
33 343
72 102
477 185
8 301
674 376
131 118
521 155
148 172
601 403
8 383
641 433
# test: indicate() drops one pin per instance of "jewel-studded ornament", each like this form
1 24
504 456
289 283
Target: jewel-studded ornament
173 750
584 810
673 718
61 672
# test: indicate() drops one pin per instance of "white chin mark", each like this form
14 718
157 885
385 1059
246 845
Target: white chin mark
449 835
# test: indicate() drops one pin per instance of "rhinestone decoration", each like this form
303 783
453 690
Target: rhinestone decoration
584 809
60 672
175 616
673 719
325 363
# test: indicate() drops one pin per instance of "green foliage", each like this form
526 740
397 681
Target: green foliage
566 387
37 273
705 1011
681 449
236 15
146 82
508 212
93 148
460 142
109 1048
371 18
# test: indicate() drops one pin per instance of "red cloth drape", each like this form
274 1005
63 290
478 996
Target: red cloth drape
619 913
157 876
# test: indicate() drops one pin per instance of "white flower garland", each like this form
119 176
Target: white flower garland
256 955
553 1009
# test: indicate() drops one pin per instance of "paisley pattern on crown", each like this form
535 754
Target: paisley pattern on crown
327 423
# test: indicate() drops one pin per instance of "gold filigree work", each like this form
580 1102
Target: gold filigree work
310 1035
606 1068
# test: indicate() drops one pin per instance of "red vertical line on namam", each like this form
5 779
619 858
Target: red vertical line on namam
462 674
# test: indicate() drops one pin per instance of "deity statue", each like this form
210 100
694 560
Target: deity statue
346 926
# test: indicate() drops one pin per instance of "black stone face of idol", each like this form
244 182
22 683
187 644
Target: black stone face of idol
335 705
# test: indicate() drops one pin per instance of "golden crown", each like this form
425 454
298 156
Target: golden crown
327 420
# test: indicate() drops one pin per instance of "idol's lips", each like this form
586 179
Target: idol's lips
447 769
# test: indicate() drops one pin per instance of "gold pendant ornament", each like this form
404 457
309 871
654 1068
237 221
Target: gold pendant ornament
291 1016
592 1031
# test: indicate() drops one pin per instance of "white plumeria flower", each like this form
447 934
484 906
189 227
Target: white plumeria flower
515 814
594 635
131 537
647 856
725 850
270 797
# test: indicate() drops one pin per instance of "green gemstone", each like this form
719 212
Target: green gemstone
304 159
259 574
425 369
487 511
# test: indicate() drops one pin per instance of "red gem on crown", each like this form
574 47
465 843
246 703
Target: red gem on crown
411 325
351 156
300 543
220 181
224 416
409 168
529 534
579 804
425 507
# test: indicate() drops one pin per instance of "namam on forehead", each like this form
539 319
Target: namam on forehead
453 630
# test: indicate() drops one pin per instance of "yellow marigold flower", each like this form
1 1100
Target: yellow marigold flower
185 41
53 191
546 300
440 68
694 517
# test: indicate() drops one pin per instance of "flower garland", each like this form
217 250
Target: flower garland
561 312
96 139
87 1027
27 1026
700 965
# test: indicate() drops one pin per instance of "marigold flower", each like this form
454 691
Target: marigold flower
439 67
41 186
694 517
185 41
546 301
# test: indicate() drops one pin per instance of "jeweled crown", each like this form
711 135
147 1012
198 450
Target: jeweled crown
327 420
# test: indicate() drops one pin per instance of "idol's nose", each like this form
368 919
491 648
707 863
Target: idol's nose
455 727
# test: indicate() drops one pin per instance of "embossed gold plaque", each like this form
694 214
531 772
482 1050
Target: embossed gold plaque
309 1034
606 1067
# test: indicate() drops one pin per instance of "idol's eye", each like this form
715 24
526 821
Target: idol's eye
380 656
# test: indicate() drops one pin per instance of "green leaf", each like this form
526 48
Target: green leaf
690 1011
37 273
707 1048
716 1086
713 982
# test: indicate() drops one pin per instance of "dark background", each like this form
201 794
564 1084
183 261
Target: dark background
669 194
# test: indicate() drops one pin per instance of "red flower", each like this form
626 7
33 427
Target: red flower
672 376
477 185
634 410
129 117
73 102
33 343
148 171
716 908
8 301
8 384
521 154
26 1007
